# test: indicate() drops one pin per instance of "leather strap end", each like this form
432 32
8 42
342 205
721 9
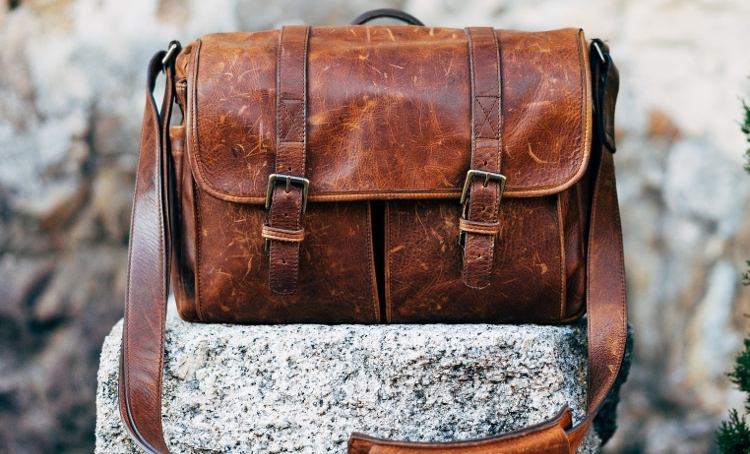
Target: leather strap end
359 443
548 436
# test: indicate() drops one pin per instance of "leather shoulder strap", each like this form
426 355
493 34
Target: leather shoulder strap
142 351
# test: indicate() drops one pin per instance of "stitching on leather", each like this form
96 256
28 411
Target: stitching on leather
620 263
162 320
164 264
198 249
304 95
195 59
561 235
589 258
387 273
369 246
292 117
344 194
472 77
464 268
278 85
272 249
499 162
303 110
486 112
586 110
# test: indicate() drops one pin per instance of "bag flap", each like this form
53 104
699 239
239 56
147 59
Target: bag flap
389 112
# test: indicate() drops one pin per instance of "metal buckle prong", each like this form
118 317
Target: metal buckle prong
288 179
170 52
599 50
471 174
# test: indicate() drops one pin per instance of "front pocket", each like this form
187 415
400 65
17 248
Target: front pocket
336 275
424 265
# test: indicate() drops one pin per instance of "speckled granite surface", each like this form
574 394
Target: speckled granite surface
305 388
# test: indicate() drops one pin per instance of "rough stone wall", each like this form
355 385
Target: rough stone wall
71 100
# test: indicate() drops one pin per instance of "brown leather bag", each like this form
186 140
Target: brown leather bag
379 174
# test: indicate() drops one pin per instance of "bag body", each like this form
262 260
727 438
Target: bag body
389 142
379 174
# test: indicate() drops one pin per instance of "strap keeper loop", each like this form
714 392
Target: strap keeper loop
480 228
289 236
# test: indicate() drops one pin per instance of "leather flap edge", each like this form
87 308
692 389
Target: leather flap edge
389 112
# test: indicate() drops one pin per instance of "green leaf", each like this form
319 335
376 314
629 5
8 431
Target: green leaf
733 437
741 373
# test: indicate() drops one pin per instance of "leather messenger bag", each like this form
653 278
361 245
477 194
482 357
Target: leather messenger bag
379 174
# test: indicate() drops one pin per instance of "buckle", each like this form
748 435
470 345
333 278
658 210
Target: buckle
471 174
599 51
289 179
173 46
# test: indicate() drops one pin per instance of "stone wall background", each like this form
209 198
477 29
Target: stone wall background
72 75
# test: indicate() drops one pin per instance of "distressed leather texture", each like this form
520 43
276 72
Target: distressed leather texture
384 122
389 112
391 115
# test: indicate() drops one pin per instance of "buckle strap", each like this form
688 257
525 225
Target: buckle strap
148 277
484 184
287 202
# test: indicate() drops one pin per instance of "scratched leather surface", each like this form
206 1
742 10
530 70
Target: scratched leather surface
389 112
336 282
389 117
528 277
